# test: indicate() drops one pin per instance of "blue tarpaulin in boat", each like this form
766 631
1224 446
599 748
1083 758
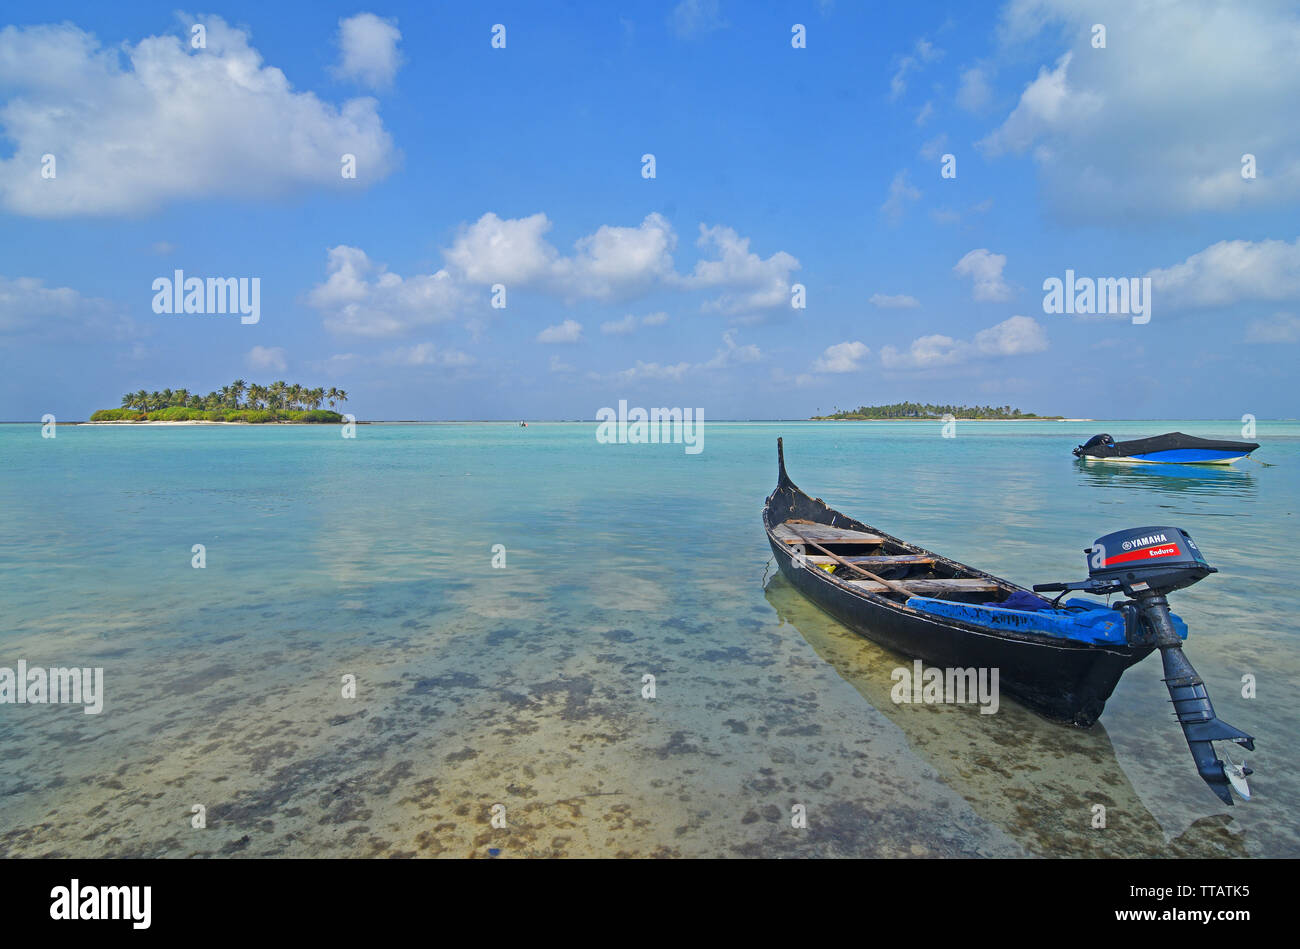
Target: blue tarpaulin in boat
1078 619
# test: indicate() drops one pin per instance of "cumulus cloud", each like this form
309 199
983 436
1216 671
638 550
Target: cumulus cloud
732 353
1280 328
426 354
368 50
134 127
752 282
270 358
629 323
900 192
842 357
924 52
1017 336
974 93
985 270
27 306
898 301
611 262
1112 136
363 298
693 18
1231 272
570 331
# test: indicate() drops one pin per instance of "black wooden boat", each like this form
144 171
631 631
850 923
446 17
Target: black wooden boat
885 588
1064 680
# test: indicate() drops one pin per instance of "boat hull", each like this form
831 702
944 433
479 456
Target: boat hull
1060 680
1181 457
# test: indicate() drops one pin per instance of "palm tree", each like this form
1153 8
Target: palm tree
237 390
295 395
340 395
315 397
278 390
331 394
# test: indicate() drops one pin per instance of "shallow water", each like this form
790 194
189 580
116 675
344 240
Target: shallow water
522 686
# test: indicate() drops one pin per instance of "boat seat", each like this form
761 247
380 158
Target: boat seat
930 587
824 534
880 560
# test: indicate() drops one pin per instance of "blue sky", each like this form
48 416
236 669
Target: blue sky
774 166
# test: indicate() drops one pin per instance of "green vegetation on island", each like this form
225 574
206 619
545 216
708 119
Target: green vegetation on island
237 402
924 410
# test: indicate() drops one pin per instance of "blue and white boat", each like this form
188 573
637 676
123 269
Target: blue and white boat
1172 448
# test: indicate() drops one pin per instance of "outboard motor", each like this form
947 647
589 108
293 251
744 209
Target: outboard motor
1146 563
1105 441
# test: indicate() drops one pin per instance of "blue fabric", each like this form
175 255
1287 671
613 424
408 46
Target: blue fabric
1020 600
1080 620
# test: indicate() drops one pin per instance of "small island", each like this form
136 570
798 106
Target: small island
237 403
919 410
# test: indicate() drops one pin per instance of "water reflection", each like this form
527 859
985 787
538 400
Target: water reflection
1037 780
1208 480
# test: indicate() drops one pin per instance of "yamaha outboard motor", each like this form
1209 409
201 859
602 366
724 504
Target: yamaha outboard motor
1104 441
1146 563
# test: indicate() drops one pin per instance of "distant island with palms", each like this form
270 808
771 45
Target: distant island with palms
925 410
238 402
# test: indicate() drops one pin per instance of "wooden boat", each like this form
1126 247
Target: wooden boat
875 574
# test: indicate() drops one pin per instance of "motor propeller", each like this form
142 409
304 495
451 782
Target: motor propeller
1146 563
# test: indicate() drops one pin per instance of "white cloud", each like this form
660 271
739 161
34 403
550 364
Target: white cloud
923 53
1113 135
1281 328
426 354
732 353
267 357
842 357
974 94
985 269
175 123
926 352
1017 336
754 283
900 192
619 327
1230 272
570 331
643 371
629 323
27 306
363 298
614 261
898 301
368 50
934 147
692 18
923 116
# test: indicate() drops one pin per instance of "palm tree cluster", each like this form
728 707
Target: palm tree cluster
929 410
238 395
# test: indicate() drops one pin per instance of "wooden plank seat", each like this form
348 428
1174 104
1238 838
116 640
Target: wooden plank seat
823 534
880 560
932 587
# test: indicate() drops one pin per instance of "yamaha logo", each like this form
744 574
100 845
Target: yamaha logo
1145 541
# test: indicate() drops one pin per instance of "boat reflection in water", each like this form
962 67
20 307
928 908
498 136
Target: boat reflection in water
1037 781
1209 480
